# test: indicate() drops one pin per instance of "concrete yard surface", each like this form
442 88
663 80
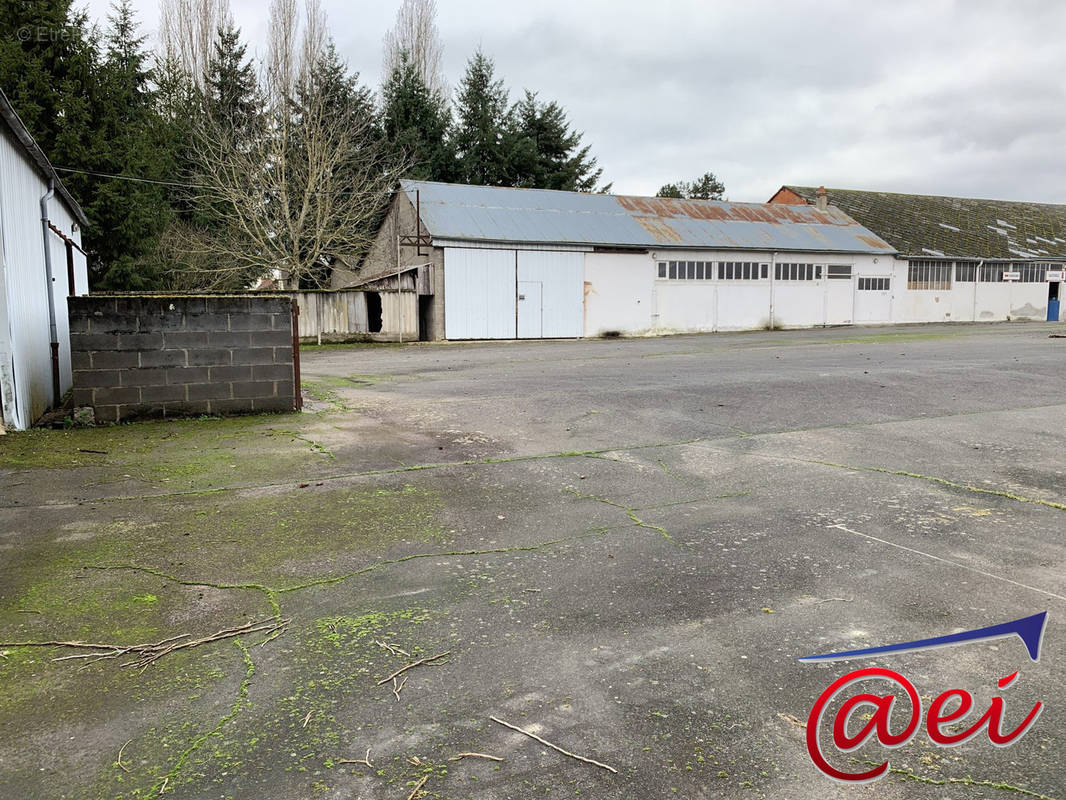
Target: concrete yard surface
622 546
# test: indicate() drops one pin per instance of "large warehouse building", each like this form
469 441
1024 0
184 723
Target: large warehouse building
501 263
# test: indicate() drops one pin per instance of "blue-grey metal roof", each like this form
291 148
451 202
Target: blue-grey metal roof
541 216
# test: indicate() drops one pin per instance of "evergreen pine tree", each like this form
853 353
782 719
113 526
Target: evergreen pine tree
232 92
416 125
544 152
126 217
481 135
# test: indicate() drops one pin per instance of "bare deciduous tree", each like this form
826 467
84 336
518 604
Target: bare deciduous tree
415 33
299 193
188 30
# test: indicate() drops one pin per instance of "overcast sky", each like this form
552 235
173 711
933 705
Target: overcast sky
936 97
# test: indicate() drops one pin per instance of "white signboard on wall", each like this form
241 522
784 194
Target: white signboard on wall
1055 275
1012 276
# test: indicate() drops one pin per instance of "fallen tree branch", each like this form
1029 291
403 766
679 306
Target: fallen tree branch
119 759
421 662
357 761
461 756
150 652
555 747
418 789
396 651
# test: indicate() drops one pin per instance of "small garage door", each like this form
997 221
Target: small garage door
550 294
479 293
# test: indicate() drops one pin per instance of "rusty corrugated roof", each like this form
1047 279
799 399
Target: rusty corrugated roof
542 216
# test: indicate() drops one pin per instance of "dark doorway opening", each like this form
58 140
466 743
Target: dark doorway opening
1053 290
373 312
425 317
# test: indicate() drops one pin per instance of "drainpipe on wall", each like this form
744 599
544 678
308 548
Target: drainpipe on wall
976 278
773 268
53 332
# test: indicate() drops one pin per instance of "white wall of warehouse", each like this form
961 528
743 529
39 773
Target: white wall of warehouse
25 349
622 293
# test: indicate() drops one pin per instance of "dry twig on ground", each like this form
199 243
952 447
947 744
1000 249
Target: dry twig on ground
429 662
554 747
119 759
418 789
396 651
358 761
397 687
148 653
461 756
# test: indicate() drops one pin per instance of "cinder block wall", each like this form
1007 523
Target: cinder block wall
169 356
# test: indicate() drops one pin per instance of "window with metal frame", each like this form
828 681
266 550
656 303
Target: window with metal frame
1032 272
923 275
686 270
992 271
838 272
742 271
965 272
788 271
874 284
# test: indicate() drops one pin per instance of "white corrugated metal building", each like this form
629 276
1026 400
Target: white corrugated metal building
530 263
41 262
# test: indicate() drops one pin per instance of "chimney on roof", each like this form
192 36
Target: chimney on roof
822 200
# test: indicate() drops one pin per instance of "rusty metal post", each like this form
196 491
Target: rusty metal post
299 399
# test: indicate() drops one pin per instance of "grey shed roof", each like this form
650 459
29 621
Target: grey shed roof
37 156
542 216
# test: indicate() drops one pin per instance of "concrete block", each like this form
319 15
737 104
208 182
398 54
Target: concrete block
231 406
274 404
250 322
177 375
140 341
186 408
220 374
97 377
271 372
210 391
163 394
112 359
280 338
283 355
253 389
163 358
208 357
254 355
94 341
229 339
285 389
154 376
179 340
83 396
116 395
80 359
106 413
206 322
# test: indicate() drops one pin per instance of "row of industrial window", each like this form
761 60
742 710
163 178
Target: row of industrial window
874 284
749 271
925 274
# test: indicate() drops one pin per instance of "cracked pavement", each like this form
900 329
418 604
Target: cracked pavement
622 545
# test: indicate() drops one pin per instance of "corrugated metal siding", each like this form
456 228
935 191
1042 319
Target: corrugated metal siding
24 326
27 300
561 279
480 289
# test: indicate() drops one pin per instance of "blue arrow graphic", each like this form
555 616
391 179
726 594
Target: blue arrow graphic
1029 629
